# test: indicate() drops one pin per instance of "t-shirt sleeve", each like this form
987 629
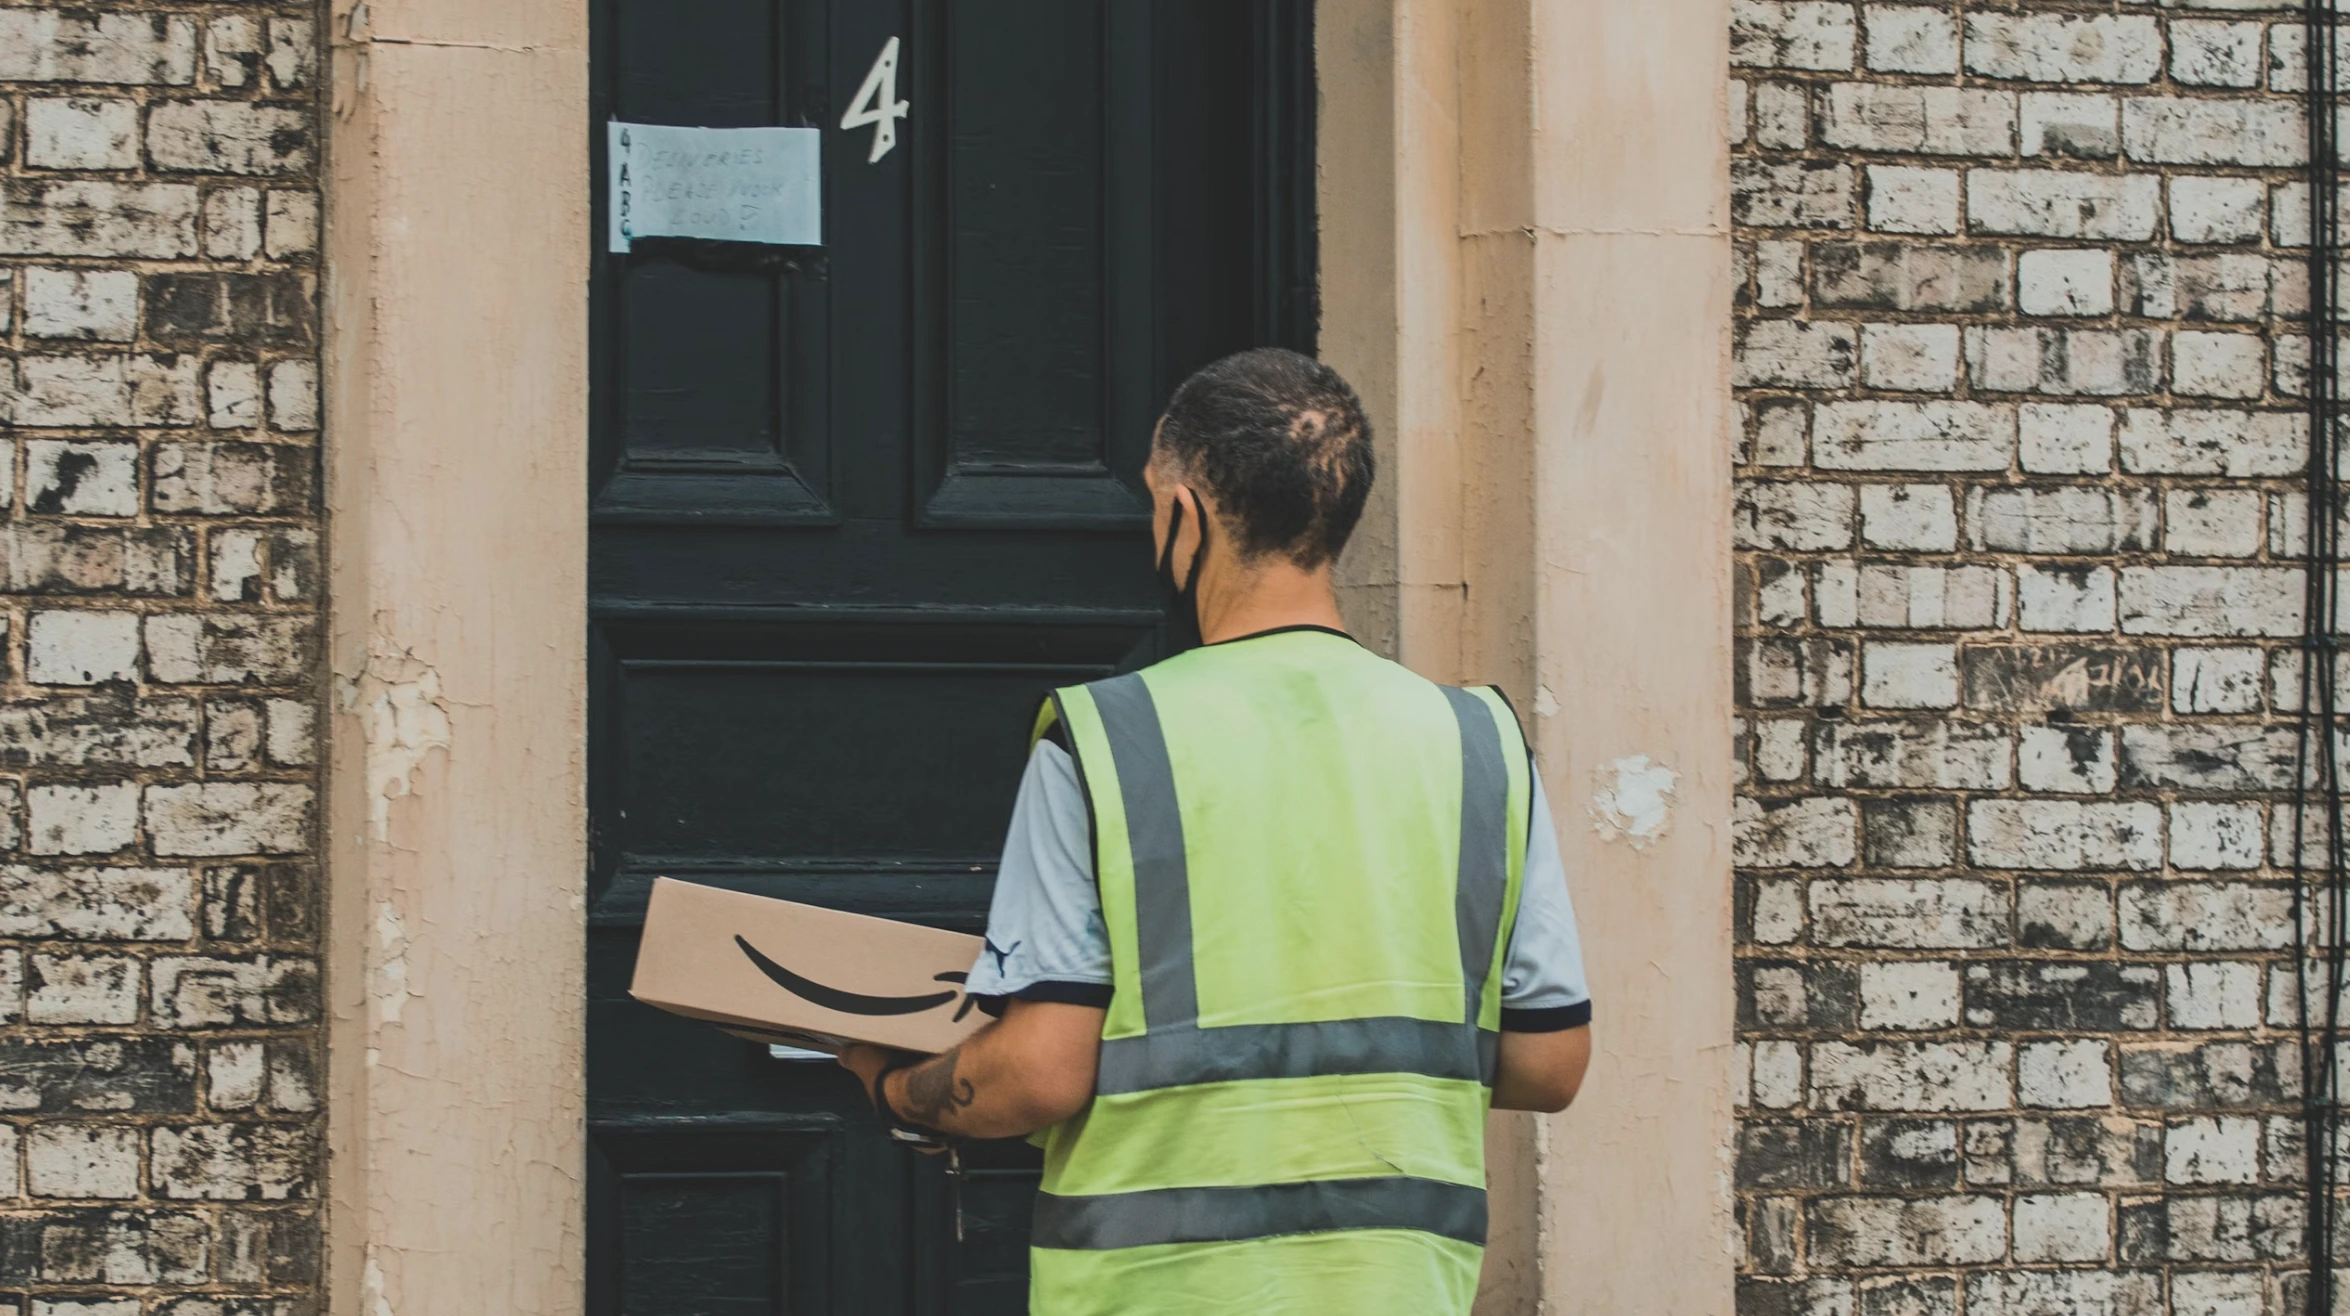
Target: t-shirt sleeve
1542 985
1045 937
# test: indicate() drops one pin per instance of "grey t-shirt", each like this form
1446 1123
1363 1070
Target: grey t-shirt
1046 939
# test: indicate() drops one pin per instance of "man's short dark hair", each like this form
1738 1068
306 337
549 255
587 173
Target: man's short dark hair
1281 442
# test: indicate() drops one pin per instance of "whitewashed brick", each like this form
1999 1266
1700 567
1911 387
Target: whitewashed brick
1782 116
2072 760
48 217
235 1074
2242 444
1791 34
1909 913
1909 995
1805 194
2068 519
2217 209
293 396
1907 199
83 989
2215 54
2210 131
1924 598
2064 834
2218 1292
109 390
82 478
1815 832
2217 1150
2063 1227
1897 1231
2206 916
2212 522
203 992
98 304
2075 125
233 394
221 818
82 1160
81 133
236 566
1918 358
2210 365
1908 517
1919 120
97 904
1779 748
229 137
2064 47
78 45
2205 836
82 647
1804 517
292 224
1935 755
1911 1076
2204 602
223 1162
1911 39
1778 273
1914 436
2064 598
97 819
2051 1292
2216 680
2064 439
2064 282
232 223
2213 995
2049 203
2099 362
2066 1075
1778 1075
1909 676
292 60
1795 354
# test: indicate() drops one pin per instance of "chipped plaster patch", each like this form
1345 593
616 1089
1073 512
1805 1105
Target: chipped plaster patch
1632 800
391 966
402 720
1546 704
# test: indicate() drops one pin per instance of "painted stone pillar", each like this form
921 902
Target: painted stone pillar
456 824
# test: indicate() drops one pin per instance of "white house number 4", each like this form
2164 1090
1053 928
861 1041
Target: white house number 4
877 103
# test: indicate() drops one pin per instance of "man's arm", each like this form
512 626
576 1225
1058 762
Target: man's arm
1541 1071
1029 1070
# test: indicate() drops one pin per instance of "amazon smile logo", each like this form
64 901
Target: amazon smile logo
833 998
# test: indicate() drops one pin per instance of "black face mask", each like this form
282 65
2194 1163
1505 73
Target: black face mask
1183 626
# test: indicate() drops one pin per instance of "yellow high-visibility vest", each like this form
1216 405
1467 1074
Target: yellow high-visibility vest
1309 861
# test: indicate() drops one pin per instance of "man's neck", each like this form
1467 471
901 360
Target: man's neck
1266 598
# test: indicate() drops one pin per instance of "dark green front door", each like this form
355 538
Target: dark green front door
855 508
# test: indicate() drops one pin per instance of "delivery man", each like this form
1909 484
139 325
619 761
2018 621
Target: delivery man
1277 921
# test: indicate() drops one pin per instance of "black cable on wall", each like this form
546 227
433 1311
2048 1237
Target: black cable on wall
2321 871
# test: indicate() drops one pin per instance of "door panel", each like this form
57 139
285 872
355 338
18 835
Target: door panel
855 508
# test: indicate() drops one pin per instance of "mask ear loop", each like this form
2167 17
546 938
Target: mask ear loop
1167 554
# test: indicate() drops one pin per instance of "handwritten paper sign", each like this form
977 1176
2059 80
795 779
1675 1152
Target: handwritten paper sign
728 184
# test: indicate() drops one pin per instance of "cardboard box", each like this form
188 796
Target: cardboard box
802 975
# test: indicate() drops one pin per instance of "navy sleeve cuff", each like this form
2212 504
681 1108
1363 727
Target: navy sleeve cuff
1552 1019
1095 994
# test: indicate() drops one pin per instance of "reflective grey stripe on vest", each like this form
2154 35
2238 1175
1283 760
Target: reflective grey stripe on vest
1174 1050
1485 854
1177 1057
1154 833
1226 1215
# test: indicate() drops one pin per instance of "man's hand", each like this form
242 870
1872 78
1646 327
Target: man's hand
1029 1070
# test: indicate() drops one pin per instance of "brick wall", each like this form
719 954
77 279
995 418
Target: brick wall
2017 517
160 558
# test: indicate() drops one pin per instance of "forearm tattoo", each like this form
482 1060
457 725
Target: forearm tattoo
934 1091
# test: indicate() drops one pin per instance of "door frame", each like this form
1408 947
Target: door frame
1527 273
